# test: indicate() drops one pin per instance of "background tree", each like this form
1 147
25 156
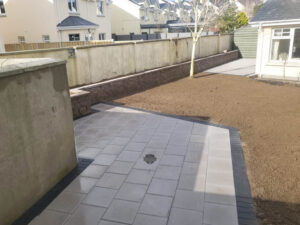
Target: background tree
228 22
242 19
204 15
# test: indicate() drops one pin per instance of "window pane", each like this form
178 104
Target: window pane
100 7
74 37
74 5
2 9
70 5
296 46
280 49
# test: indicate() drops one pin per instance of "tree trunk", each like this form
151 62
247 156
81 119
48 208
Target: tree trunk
192 70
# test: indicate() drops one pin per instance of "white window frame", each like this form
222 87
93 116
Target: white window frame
21 39
3 13
99 13
291 37
73 10
103 36
74 40
46 38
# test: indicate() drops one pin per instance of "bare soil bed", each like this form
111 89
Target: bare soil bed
268 118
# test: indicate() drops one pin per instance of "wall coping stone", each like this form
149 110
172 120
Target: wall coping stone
12 67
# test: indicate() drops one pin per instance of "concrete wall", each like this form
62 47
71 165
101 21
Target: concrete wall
266 68
96 63
127 85
37 139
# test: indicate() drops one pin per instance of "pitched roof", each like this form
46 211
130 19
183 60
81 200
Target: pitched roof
153 2
274 10
75 21
164 5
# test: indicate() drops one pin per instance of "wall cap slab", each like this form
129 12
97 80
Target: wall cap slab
12 67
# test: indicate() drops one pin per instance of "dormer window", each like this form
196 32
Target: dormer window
100 8
72 4
2 9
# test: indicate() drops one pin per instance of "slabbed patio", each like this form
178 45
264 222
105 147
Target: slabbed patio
189 179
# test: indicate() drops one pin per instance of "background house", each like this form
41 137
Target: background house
142 16
30 21
278 48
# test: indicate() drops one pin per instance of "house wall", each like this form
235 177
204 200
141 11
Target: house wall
32 19
37 137
125 17
267 69
86 10
89 66
28 18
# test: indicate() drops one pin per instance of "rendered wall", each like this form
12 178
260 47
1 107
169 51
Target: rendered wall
34 18
92 64
265 68
36 134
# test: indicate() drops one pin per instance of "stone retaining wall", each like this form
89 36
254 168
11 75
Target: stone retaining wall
124 86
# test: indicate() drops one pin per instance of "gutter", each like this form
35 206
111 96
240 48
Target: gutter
275 23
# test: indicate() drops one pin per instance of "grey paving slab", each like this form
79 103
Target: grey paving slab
176 150
122 211
191 200
101 197
142 165
149 220
111 180
120 167
104 222
129 156
171 160
220 194
120 141
49 217
162 187
156 205
104 159
220 214
140 176
191 182
81 185
94 171
66 202
195 169
168 172
132 192
113 149
89 153
135 147
86 215
158 152
186 217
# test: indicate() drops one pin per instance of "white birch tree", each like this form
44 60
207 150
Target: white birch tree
204 13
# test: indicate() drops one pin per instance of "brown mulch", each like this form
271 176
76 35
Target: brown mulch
268 118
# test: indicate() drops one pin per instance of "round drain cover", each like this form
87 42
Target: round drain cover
149 158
